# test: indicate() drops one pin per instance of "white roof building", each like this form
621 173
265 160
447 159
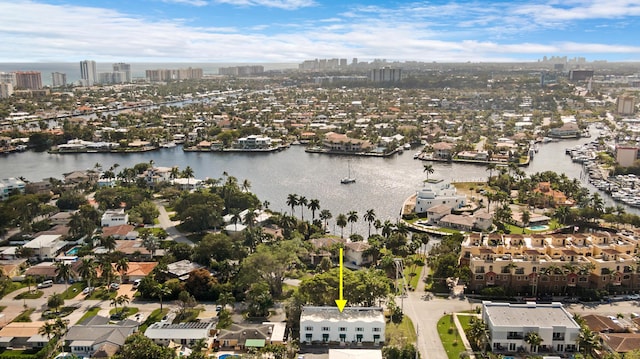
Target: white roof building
163 333
46 245
441 193
114 217
351 326
509 325
8 185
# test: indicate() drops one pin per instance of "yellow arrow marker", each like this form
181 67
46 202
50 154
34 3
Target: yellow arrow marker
341 302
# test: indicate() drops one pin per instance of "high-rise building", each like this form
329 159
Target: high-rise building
58 79
88 72
122 67
174 75
626 105
6 89
28 80
8 77
115 77
385 74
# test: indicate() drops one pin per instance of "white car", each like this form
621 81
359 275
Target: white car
87 290
633 297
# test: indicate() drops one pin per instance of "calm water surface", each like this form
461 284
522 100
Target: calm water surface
382 183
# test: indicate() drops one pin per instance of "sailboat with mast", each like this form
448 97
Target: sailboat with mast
348 179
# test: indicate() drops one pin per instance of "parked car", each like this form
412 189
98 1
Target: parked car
136 283
45 284
114 286
88 290
633 297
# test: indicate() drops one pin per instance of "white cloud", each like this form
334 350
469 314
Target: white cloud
280 4
187 2
42 32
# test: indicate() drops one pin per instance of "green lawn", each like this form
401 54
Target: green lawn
24 316
11 287
34 294
400 334
73 290
126 312
412 273
102 294
189 315
92 312
154 317
465 321
18 353
450 337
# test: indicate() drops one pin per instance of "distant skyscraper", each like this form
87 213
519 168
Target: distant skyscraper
6 89
8 77
58 79
626 105
88 72
29 80
122 67
385 74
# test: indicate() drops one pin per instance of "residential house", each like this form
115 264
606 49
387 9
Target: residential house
602 324
240 337
188 184
466 222
114 217
253 142
552 197
136 270
22 336
321 247
443 150
439 193
355 254
508 325
182 269
568 130
186 334
620 343
46 246
97 338
122 231
436 212
342 143
354 325
8 186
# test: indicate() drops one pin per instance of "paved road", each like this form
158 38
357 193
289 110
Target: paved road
170 226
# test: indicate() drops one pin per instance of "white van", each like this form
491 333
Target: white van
45 284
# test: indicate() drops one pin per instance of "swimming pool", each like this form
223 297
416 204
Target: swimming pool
539 227
73 251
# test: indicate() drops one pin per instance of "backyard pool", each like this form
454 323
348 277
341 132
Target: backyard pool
73 251
539 227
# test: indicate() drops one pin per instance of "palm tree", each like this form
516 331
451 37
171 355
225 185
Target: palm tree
63 272
161 291
341 221
114 303
29 281
325 216
352 217
109 243
122 266
123 300
490 167
175 172
588 340
87 270
106 269
477 332
226 298
526 217
246 185
235 217
250 218
151 244
292 200
314 205
428 169
188 174
534 340
302 202
387 228
48 329
369 216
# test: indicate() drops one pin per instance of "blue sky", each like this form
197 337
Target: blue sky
297 30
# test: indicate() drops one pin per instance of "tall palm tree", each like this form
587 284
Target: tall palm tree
302 202
151 244
106 269
292 201
175 172
123 300
325 216
226 298
490 167
352 217
48 329
387 228
428 169
246 185
588 341
87 270
109 243
122 266
235 217
526 217
534 340
341 221
161 291
188 174
369 216
250 218
63 272
314 205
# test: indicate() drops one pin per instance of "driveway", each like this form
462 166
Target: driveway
170 226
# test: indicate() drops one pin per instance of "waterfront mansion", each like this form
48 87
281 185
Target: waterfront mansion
556 264
439 193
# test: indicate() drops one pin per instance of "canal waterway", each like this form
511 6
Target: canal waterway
381 184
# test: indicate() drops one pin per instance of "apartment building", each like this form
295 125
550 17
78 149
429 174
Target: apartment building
509 324
28 80
533 264
354 325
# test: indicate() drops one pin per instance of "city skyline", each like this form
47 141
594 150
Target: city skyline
297 30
